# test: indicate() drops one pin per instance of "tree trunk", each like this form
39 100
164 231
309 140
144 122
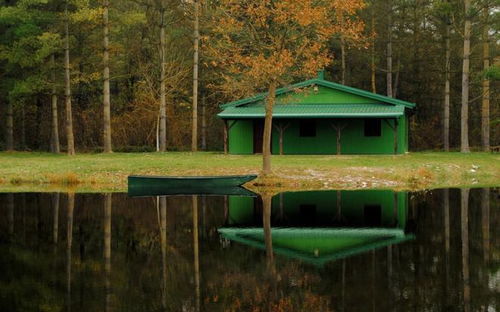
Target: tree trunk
23 126
485 107
342 50
389 49
373 76
203 124
67 88
464 140
446 117
54 138
107 249
226 137
9 135
194 133
396 79
268 126
163 103
106 96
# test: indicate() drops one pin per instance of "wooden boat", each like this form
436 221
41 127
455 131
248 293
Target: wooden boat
208 185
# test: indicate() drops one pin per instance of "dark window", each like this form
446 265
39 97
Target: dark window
373 215
307 214
373 127
307 128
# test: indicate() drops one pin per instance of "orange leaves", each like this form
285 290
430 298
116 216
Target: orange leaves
304 13
255 42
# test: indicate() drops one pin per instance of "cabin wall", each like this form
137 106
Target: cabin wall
353 141
324 143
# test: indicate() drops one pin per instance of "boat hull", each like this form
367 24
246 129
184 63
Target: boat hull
156 185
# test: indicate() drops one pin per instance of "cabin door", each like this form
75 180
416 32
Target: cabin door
258 133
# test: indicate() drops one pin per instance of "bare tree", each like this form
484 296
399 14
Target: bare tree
464 137
67 87
54 138
372 59
485 107
163 103
194 134
446 104
106 94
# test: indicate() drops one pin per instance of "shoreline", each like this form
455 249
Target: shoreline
28 172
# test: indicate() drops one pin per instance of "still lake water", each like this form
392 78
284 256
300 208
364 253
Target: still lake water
304 251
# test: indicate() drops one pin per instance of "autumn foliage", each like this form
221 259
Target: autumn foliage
264 44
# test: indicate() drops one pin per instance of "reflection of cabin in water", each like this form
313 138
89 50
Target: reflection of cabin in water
320 226
319 117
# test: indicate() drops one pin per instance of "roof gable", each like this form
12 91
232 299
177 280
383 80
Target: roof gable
327 93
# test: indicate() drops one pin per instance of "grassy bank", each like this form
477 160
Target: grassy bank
100 172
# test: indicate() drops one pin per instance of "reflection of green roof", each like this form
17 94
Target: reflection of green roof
318 245
315 111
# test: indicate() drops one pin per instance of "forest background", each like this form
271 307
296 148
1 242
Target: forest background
403 53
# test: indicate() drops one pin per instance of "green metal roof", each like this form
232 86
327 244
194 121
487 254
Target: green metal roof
319 240
324 83
315 111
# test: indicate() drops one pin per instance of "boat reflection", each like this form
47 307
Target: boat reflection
320 226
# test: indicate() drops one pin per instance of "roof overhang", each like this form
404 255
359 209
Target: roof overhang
295 111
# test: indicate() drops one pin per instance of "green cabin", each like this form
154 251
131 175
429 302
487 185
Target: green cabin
319 117
321 226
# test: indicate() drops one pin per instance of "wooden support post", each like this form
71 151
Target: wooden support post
281 130
338 128
226 136
395 136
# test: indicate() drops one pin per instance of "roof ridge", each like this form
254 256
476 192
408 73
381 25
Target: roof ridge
324 83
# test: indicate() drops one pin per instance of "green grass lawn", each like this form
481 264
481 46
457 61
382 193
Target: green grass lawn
44 171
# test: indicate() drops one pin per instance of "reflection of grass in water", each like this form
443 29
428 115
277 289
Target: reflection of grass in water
108 172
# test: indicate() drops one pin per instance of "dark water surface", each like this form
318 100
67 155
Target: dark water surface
305 251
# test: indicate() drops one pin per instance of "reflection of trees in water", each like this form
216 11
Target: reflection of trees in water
464 217
237 277
69 242
108 203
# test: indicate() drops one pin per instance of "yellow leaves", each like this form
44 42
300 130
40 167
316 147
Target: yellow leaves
86 14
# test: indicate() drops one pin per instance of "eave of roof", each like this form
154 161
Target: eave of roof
316 111
324 83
